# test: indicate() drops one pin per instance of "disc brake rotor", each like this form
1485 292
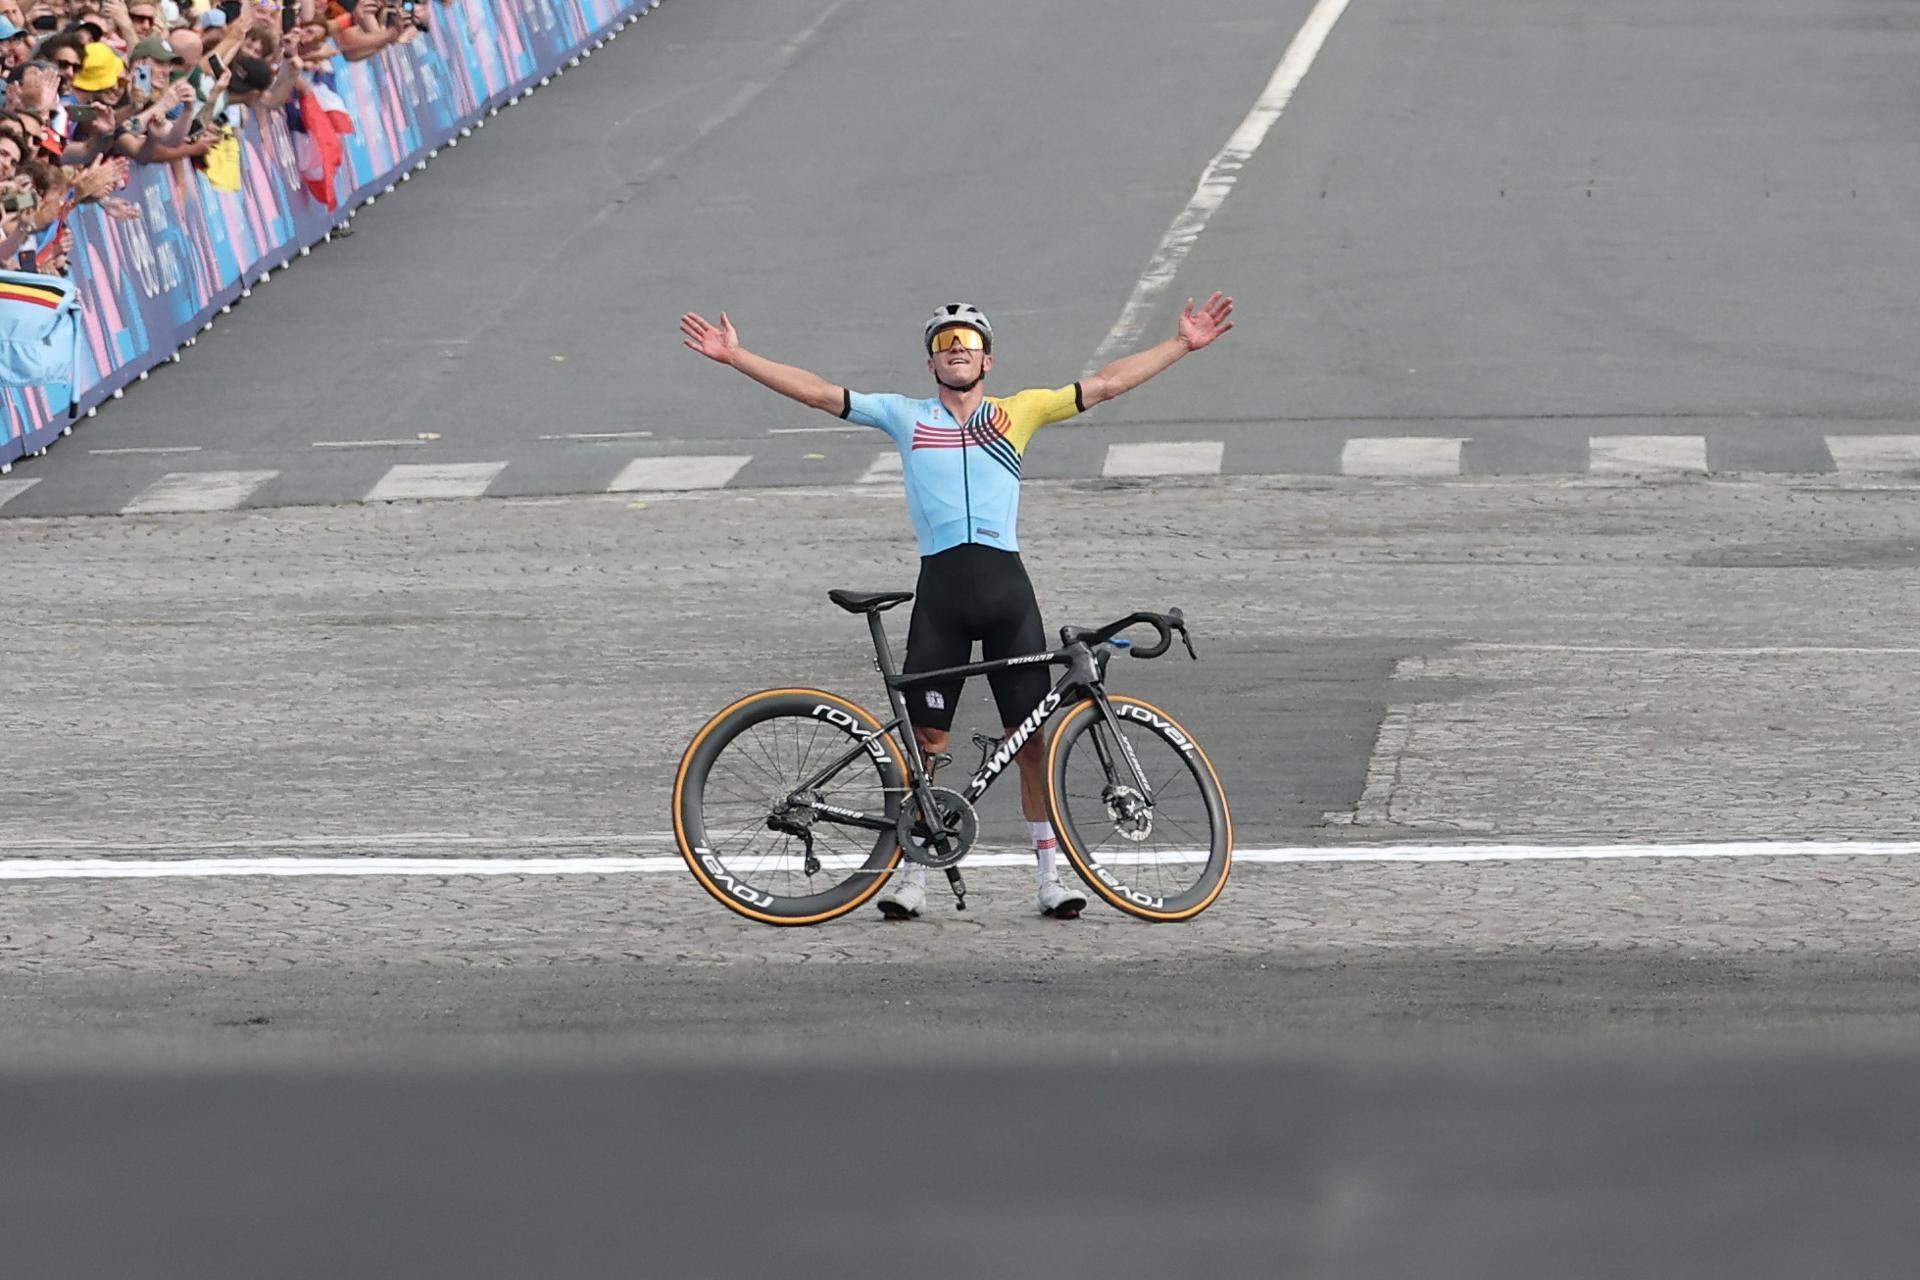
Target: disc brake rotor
1130 813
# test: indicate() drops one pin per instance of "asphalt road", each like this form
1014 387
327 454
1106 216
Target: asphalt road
1530 224
1525 226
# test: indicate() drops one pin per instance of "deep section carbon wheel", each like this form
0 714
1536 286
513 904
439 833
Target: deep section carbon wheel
1161 853
759 842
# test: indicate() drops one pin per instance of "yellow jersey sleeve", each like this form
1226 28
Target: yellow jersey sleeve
1028 411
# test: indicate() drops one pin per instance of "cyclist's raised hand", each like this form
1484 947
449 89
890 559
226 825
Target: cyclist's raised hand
713 343
1198 328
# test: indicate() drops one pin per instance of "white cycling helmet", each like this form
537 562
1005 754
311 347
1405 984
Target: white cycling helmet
957 313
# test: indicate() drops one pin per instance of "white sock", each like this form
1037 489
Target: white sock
1044 847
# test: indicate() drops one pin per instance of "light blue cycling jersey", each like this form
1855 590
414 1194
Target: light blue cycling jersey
963 479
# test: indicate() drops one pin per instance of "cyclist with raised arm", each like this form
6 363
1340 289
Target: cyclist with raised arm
960 453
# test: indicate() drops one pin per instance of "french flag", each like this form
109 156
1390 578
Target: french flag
316 145
331 103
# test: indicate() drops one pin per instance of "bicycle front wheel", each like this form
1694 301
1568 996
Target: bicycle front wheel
735 812
1161 854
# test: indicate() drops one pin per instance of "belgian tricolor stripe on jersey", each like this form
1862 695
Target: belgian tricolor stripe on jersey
986 431
19 291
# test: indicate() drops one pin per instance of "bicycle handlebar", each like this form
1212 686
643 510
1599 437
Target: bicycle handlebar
1164 624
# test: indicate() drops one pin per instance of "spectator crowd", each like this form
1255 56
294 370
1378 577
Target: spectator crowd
94 87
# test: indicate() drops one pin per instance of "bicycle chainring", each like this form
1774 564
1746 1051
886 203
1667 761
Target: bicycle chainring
959 823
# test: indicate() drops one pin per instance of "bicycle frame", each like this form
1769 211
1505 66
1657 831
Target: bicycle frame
1086 673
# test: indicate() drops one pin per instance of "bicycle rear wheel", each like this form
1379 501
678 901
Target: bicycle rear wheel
742 768
1163 857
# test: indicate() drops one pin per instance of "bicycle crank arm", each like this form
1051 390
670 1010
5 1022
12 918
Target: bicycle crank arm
959 888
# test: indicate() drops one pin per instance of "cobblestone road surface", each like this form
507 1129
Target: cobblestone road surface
1382 661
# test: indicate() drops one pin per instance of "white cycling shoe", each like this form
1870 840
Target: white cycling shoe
905 896
1059 902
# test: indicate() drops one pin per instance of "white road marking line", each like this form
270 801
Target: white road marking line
1587 852
197 491
1401 456
1216 181
435 480
198 868
885 466
11 489
399 839
601 435
368 444
1732 651
1646 455
1165 458
1875 453
154 448
670 474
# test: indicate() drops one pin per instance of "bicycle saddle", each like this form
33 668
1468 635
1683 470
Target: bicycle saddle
868 601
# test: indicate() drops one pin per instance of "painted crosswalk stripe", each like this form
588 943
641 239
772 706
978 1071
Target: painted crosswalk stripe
11 489
1646 455
1875 453
661 475
435 480
886 466
1401 456
197 491
1165 458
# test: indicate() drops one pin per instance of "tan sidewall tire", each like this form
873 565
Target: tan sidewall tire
700 872
1082 865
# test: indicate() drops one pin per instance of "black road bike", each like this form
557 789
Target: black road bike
793 806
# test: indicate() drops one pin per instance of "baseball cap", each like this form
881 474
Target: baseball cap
101 70
250 74
8 31
155 47
212 18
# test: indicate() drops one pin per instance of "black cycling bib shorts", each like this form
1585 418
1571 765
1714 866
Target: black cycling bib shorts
967 593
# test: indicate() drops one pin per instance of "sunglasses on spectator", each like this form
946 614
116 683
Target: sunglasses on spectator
142 15
960 336
67 66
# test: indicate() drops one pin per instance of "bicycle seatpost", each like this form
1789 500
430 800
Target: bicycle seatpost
882 656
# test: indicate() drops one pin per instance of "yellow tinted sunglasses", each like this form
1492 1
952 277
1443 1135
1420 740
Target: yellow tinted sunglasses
958 336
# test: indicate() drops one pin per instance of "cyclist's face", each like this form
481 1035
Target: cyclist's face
958 367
